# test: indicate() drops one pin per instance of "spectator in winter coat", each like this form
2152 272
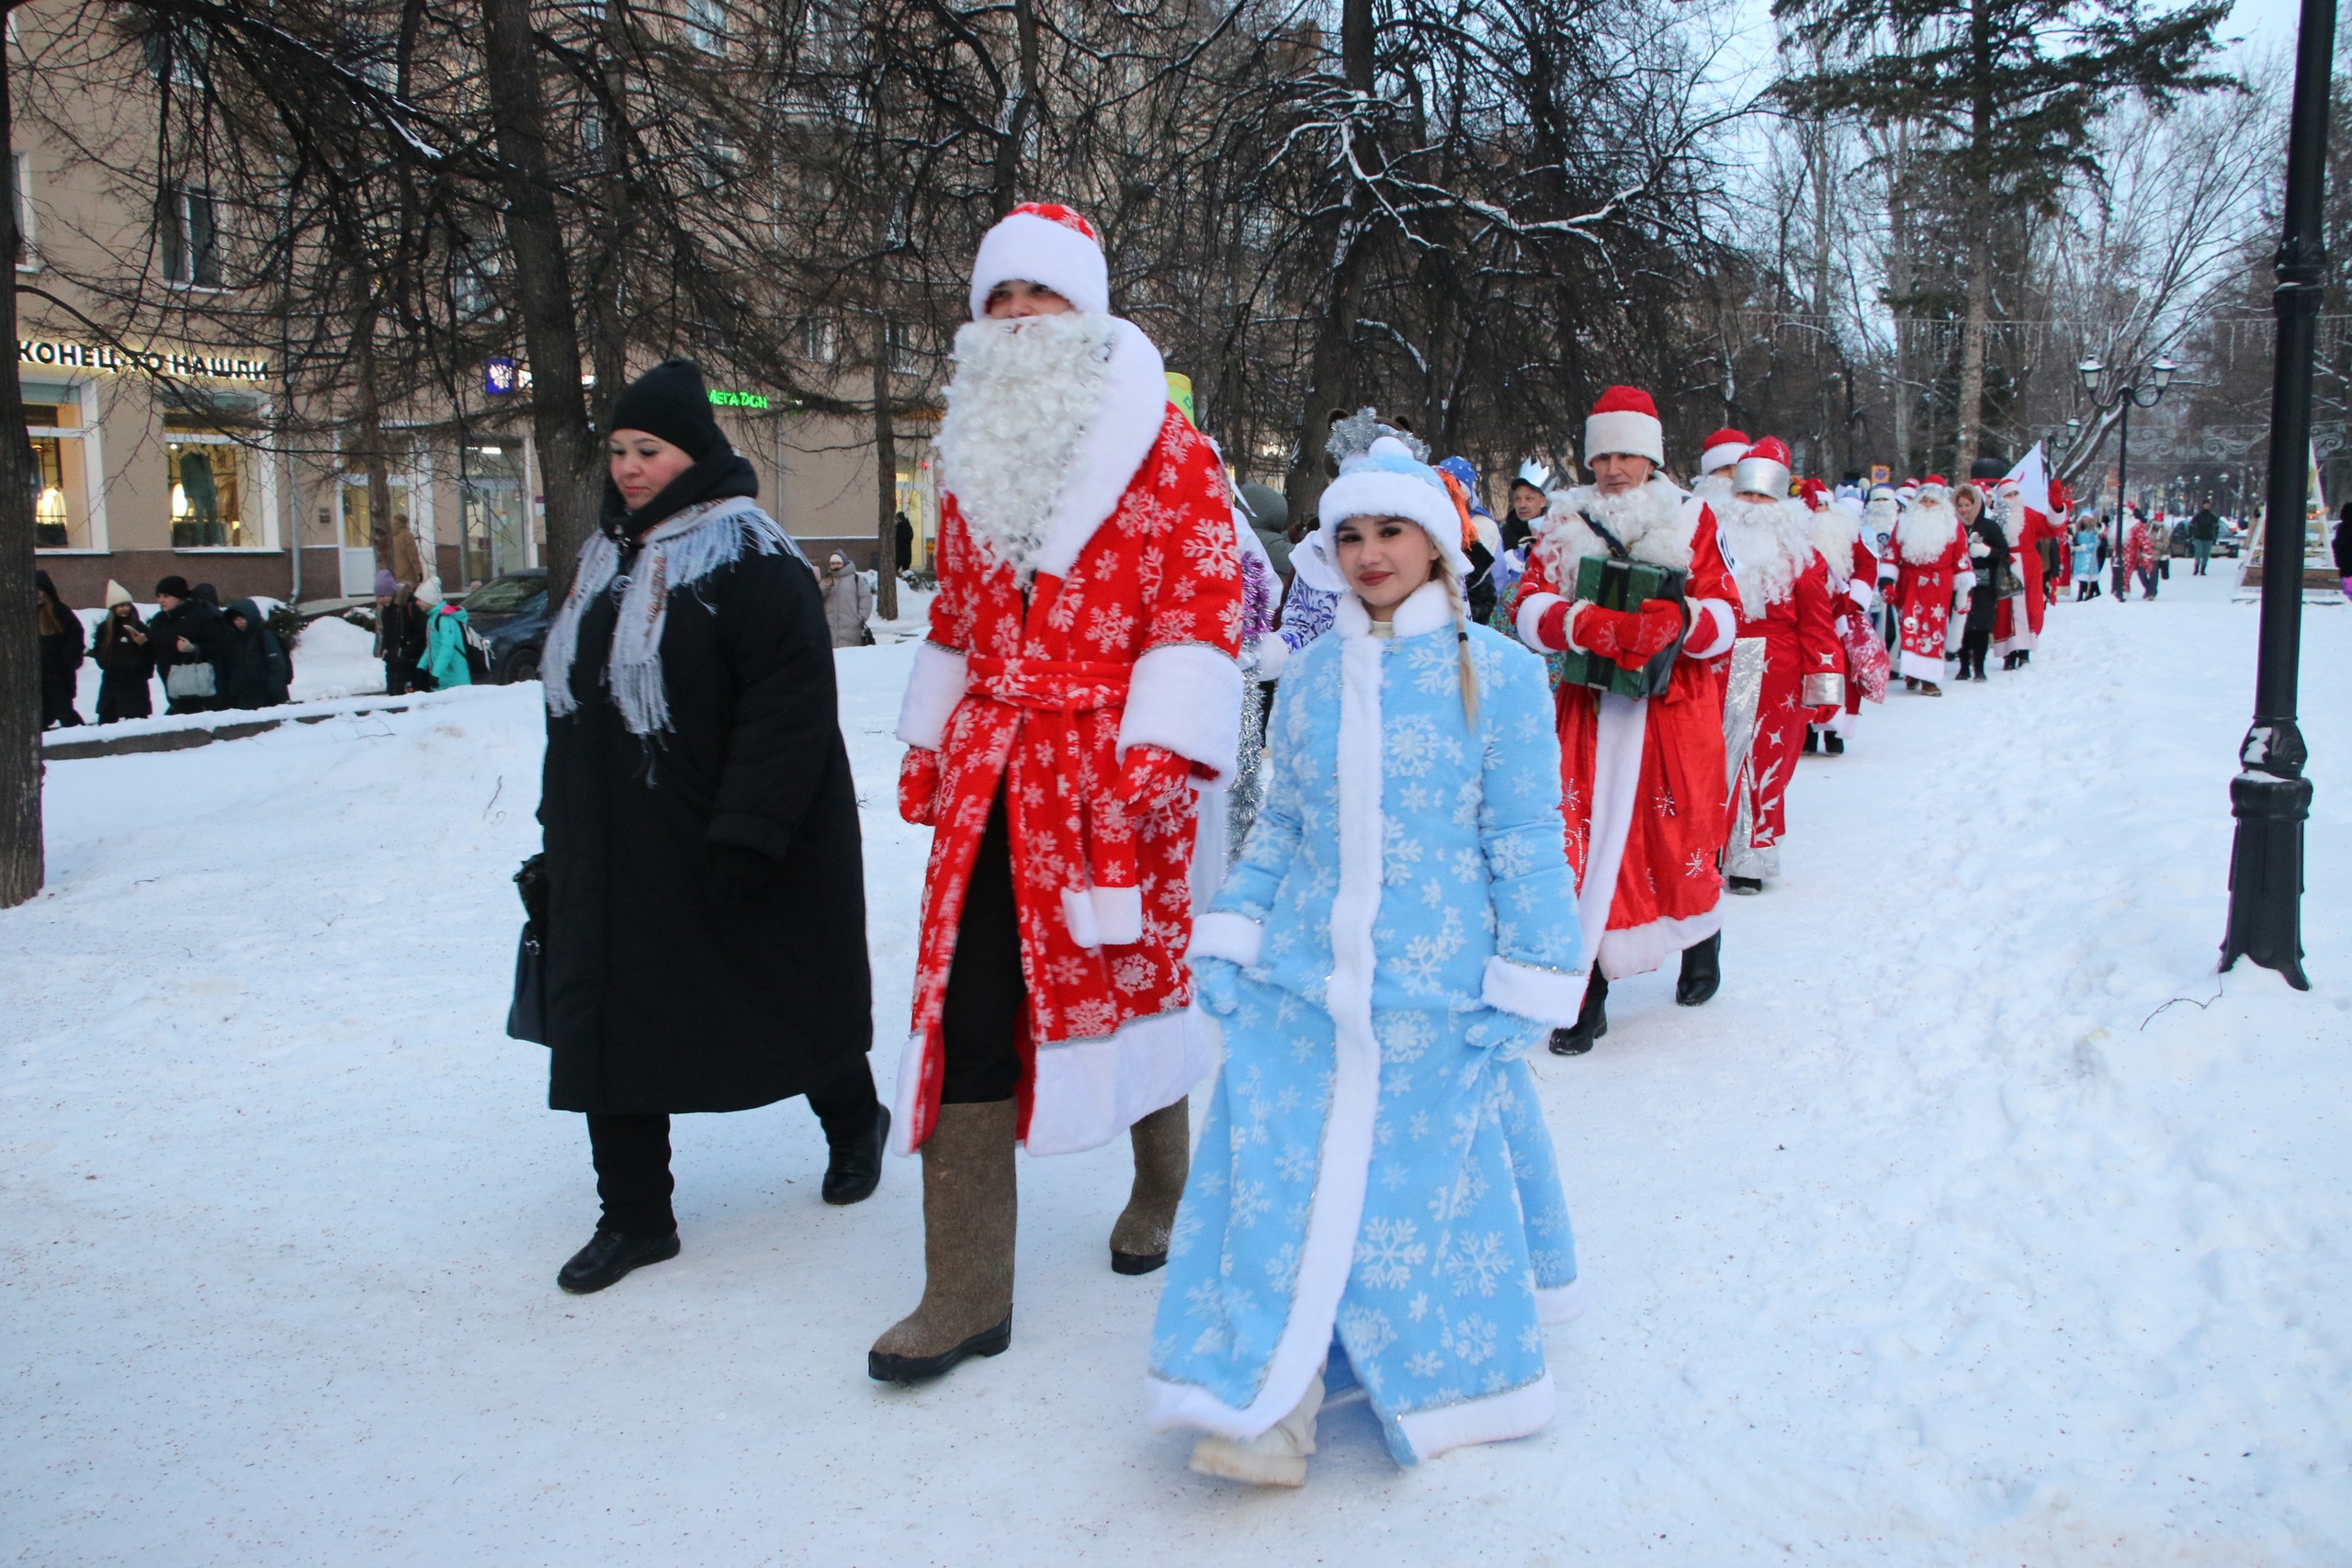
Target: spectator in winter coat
126 659
849 604
400 637
190 642
2342 545
2203 530
60 654
902 542
259 670
448 660
2142 552
1989 557
704 928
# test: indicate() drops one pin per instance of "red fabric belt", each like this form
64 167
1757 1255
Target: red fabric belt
1050 685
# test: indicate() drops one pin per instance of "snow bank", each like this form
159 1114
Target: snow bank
1976 1221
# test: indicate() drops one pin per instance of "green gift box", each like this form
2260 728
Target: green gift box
1619 583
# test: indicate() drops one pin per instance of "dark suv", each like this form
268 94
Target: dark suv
510 614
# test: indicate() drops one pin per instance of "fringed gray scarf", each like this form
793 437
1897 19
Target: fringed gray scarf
674 555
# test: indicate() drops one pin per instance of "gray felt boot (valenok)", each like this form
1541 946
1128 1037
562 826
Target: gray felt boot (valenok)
969 1211
1163 1144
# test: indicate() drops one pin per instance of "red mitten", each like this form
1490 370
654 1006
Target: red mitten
918 787
1154 779
1630 639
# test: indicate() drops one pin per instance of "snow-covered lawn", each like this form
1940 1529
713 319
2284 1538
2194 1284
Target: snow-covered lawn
1977 1221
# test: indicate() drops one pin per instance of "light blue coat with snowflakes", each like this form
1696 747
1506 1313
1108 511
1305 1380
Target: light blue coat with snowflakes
1399 931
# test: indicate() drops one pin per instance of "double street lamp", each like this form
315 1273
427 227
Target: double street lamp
2126 394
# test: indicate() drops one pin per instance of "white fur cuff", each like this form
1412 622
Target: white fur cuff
1529 619
1273 654
1858 591
933 688
1546 996
1185 697
1104 917
1221 934
1700 643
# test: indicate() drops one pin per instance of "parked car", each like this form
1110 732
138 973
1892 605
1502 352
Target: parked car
510 615
2232 540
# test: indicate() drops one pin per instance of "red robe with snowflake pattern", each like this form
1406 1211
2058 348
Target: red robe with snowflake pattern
1133 643
1800 641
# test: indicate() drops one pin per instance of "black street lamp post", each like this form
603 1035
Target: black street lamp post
2126 396
2270 796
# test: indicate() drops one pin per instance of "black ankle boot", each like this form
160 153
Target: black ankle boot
1746 884
610 1255
1811 742
1703 970
854 1168
1833 744
1592 1018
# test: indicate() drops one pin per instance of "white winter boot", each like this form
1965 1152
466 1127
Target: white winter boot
1275 1456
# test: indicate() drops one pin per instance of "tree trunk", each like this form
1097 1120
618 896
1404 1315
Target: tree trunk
1970 413
608 332
886 479
368 419
21 871
1331 365
543 287
1012 128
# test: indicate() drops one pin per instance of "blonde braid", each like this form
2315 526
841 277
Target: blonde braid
1462 647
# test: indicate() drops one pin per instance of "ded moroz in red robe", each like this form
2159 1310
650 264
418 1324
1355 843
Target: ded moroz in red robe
1931 557
1853 579
1642 778
1126 637
1784 597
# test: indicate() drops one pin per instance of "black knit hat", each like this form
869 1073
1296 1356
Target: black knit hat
670 401
1988 469
174 586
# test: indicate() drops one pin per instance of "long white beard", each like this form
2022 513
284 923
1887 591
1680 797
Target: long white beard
1713 488
1926 531
1025 394
1647 520
1835 529
1769 544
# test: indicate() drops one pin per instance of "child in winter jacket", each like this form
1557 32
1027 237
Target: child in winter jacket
448 660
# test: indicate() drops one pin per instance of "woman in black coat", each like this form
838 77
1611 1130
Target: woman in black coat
1990 557
704 932
257 673
126 661
60 654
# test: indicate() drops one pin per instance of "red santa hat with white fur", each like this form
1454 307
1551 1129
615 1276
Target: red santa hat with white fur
1625 422
1041 242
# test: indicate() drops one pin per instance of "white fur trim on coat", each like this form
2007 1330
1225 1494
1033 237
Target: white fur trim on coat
1272 653
935 686
1026 248
1126 429
1221 934
1545 996
1625 432
1713 628
1560 1304
1185 697
1529 619
1637 949
1090 1091
1336 1212
1102 916
1620 728
1497 1418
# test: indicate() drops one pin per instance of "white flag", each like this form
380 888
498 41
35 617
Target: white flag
2033 479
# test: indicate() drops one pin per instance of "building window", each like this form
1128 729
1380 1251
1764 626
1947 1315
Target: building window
61 476
901 336
707 26
209 474
818 341
191 238
493 521
20 174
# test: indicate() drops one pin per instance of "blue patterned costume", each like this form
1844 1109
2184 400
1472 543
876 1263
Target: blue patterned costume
1400 929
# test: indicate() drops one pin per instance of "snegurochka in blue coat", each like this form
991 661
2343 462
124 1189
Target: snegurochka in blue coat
1375 1186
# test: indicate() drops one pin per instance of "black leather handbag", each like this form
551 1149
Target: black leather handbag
527 1015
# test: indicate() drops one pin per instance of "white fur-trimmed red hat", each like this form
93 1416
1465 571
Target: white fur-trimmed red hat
1041 242
1624 420
1725 445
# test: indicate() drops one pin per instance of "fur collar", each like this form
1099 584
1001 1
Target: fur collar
1768 545
1926 531
1649 522
1426 609
1125 427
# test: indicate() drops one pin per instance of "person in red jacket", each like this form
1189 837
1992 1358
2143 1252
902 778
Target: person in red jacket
1642 778
1931 555
1783 586
1080 674
1853 584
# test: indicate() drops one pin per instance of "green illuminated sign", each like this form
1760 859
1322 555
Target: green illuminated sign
739 399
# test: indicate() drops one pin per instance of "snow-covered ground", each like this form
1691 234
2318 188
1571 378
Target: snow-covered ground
1977 1221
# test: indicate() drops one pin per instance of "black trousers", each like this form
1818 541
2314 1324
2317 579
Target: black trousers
632 1153
979 1025
1974 644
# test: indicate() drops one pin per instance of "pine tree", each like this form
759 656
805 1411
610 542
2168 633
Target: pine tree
2011 92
